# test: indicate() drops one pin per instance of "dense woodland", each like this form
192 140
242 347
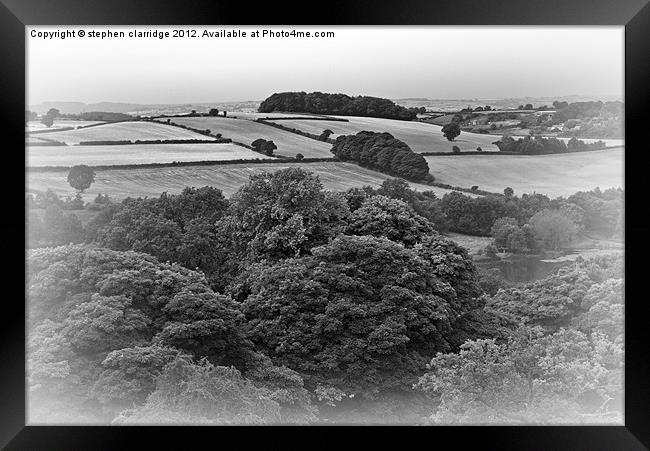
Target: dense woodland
336 104
382 152
288 303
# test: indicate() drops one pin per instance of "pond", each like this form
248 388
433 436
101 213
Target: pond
523 269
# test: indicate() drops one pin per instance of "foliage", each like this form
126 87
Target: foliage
510 237
202 393
391 218
81 177
359 315
383 152
263 146
335 104
96 301
553 228
531 378
451 130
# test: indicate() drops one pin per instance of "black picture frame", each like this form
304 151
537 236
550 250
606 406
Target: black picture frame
633 14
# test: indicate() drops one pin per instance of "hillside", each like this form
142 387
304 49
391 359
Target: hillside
245 131
131 131
420 136
121 183
136 154
553 175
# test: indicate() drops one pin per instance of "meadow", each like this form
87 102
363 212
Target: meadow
136 154
58 123
553 175
420 136
246 131
122 183
130 131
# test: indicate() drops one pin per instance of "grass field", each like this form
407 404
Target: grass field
136 154
420 136
58 123
553 175
121 183
255 115
247 131
130 131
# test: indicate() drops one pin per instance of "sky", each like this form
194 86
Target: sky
393 62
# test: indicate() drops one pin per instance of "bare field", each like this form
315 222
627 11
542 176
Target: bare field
130 131
136 154
420 136
553 175
247 131
121 183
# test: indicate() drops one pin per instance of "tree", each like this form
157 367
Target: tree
81 177
553 228
451 130
528 106
531 378
48 118
391 218
90 302
213 112
361 314
299 156
501 231
456 149
326 134
508 192
202 393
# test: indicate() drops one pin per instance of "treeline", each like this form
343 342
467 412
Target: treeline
103 116
382 152
594 211
538 145
336 104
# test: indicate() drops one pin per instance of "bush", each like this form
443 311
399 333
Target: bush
456 149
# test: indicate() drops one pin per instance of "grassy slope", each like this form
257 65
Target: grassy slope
247 131
421 137
553 175
125 131
58 123
136 154
153 181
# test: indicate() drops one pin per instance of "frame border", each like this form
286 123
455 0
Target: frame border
633 14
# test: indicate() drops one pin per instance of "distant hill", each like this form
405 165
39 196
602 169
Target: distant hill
142 109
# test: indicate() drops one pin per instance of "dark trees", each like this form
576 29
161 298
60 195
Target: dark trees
383 152
336 104
451 130
361 314
81 177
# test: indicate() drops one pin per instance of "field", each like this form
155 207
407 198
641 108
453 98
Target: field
247 131
553 175
136 154
252 115
121 183
121 131
58 123
420 136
